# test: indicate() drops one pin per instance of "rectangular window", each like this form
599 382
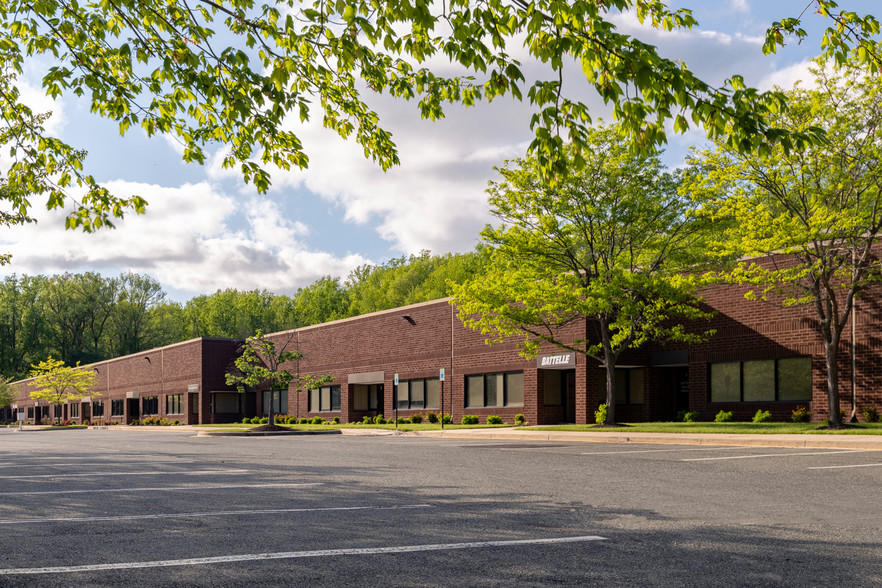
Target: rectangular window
30 412
629 385
280 401
174 404
501 389
75 411
226 403
150 405
58 410
766 380
366 396
98 408
117 407
324 399
419 393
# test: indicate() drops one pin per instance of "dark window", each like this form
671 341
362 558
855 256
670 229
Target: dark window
503 389
762 380
324 399
629 386
280 401
419 393
98 408
117 407
74 411
150 405
174 404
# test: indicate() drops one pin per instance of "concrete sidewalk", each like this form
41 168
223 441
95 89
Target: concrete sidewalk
832 441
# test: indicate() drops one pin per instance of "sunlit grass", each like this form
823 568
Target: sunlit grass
725 428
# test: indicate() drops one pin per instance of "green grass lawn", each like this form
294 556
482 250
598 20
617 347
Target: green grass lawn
329 427
743 428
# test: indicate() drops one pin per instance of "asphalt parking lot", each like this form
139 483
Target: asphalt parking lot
124 508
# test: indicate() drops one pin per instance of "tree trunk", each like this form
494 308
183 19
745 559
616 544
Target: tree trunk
610 361
272 402
831 352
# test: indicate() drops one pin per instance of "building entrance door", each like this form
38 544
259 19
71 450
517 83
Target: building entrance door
134 411
675 390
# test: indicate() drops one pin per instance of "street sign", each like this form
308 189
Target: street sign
396 379
442 374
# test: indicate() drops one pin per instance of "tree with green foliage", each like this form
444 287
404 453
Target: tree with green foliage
609 244
261 366
237 73
814 215
59 384
7 393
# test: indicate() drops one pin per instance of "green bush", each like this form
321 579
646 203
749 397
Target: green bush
470 419
801 414
246 421
379 419
762 416
520 419
177 422
303 421
135 422
264 420
402 421
871 415
254 420
494 420
336 420
317 420
446 419
686 416
366 420
724 417
600 414
416 418
431 417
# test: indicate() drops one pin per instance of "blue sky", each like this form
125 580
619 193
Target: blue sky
205 230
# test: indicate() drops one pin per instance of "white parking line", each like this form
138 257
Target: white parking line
837 452
297 554
161 489
96 474
663 450
226 513
860 465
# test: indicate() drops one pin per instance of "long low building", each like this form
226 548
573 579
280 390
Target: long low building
391 363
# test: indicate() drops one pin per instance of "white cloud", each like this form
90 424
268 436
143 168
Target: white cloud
786 77
185 240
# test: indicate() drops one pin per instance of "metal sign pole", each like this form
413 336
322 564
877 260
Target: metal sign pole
395 400
441 377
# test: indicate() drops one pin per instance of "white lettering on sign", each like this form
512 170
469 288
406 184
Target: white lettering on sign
555 360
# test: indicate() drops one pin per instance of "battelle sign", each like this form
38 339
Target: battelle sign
557 361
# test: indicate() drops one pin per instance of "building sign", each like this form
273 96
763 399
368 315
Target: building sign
557 361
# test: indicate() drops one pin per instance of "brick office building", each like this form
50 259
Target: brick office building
761 356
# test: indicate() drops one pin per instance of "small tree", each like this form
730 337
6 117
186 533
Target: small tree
260 363
608 244
7 392
58 384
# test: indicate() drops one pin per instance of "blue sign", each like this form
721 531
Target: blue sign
441 377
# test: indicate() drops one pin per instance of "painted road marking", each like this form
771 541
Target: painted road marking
96 474
161 489
861 465
837 452
298 554
176 515
664 450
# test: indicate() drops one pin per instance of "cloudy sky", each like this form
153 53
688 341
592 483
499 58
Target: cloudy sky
205 230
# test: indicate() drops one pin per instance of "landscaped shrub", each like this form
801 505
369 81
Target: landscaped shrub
336 420
177 422
46 421
686 416
431 417
724 417
366 420
762 416
446 419
246 421
135 422
871 415
600 414
801 414
86 421
494 420
470 419
317 420
380 420
303 421
402 421
520 419
416 418
264 421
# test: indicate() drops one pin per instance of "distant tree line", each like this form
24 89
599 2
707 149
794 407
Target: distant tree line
89 317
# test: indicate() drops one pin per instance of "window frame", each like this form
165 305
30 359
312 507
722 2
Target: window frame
318 394
150 402
172 402
496 392
412 404
775 377
118 402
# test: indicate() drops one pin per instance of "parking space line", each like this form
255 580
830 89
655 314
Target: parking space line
97 474
298 554
161 489
223 513
93 465
719 448
837 452
860 465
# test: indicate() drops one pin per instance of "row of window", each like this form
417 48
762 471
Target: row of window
764 380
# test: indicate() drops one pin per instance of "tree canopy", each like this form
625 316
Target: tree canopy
58 384
239 74
608 245
821 207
